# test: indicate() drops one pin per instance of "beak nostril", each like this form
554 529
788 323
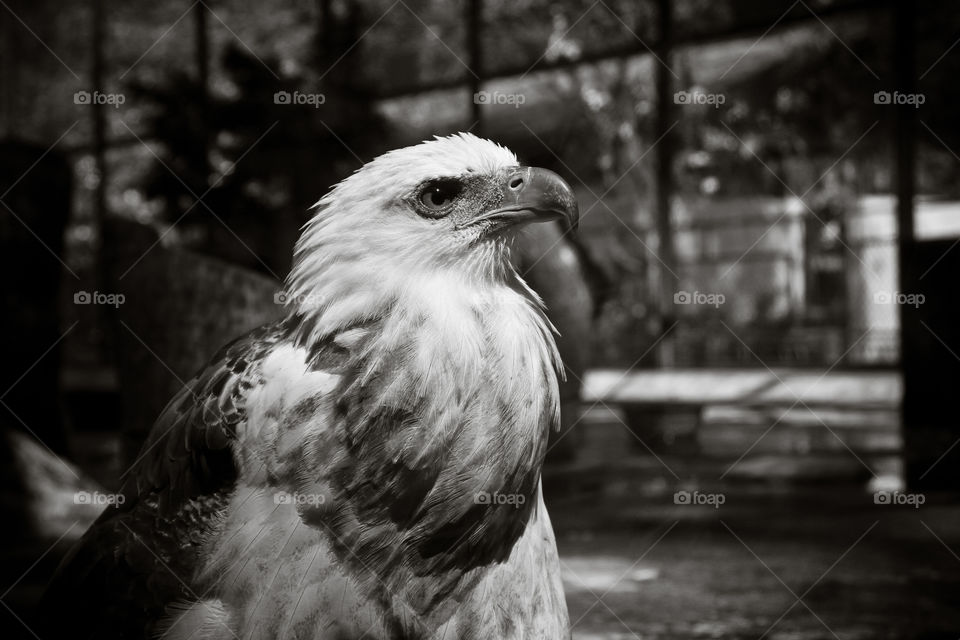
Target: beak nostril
515 182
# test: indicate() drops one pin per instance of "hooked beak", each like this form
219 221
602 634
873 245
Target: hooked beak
532 194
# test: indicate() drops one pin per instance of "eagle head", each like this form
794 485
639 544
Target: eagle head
449 206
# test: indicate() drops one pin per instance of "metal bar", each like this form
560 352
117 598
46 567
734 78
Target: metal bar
905 121
663 171
201 43
9 74
474 26
904 140
99 125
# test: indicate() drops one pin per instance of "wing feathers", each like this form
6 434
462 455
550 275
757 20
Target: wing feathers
132 561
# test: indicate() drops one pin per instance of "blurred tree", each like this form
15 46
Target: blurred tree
295 137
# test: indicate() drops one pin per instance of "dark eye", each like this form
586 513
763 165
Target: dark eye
437 196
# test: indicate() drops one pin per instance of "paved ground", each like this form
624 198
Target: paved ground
784 559
791 543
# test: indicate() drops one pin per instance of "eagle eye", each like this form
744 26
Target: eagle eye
437 195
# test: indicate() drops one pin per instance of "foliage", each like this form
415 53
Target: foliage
290 154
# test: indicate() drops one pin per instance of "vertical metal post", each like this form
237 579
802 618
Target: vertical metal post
201 52
920 410
99 126
323 35
905 124
8 74
474 25
905 130
663 154
201 46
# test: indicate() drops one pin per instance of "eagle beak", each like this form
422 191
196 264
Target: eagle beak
532 194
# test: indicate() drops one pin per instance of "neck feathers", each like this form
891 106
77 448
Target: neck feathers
447 397
355 280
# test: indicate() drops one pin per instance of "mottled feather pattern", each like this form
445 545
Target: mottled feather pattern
409 380
138 555
181 452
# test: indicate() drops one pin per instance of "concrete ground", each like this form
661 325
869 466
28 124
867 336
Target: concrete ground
793 536
771 561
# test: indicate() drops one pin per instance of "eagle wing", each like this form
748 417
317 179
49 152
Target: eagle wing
140 554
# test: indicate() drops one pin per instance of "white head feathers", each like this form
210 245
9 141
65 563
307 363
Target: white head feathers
443 290
364 236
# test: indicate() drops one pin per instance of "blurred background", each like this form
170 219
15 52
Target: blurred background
760 315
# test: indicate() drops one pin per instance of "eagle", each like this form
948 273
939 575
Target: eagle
369 466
